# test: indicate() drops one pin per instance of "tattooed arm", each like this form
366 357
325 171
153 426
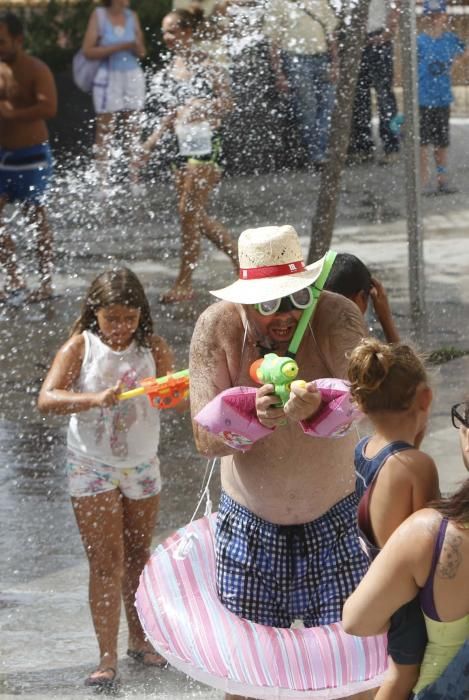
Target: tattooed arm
395 576
217 335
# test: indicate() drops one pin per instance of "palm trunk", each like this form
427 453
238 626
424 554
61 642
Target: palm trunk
350 52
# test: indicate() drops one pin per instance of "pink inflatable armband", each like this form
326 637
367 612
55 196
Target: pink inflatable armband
337 412
232 415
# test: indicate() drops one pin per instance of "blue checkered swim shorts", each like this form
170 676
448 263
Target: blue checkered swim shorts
275 574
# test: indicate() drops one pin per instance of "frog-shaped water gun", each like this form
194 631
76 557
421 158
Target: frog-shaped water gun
279 371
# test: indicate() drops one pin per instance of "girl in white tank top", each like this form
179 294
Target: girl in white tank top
112 452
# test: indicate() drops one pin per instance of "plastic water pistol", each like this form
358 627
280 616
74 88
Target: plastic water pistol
276 370
162 392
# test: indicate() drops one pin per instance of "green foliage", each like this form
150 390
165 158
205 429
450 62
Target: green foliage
151 13
54 31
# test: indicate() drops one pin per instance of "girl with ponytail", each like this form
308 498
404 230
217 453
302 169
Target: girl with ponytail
394 479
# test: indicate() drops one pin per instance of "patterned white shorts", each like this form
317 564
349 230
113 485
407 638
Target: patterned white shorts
87 477
118 91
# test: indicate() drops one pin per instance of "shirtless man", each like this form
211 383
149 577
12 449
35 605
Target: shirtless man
27 98
289 500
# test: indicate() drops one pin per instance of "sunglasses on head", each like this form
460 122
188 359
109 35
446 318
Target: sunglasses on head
298 300
460 414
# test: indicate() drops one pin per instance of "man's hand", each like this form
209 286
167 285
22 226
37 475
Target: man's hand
379 299
268 414
380 302
304 401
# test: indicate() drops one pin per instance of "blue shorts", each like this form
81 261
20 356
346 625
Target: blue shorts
276 574
25 173
407 634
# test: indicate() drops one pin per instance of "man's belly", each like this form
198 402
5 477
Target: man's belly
291 482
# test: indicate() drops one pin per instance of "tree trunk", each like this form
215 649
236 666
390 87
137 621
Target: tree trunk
350 53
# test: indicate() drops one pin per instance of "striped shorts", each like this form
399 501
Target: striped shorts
276 574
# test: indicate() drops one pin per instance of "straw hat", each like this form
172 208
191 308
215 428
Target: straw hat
270 266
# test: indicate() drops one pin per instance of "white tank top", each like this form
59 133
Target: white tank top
124 435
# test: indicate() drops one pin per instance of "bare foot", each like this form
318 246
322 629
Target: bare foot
177 294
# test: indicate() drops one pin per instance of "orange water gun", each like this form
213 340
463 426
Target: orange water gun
162 392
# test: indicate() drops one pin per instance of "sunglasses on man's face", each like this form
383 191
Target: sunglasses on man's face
298 300
460 415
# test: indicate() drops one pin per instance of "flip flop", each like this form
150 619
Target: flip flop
140 656
100 682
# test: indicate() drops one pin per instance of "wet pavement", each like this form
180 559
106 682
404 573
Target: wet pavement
47 644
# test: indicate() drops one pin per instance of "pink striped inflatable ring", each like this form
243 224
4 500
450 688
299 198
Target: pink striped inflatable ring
180 612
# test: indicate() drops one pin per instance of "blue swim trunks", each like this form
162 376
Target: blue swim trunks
275 574
25 173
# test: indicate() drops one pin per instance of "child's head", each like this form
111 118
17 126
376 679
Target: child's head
351 278
386 377
180 26
434 12
118 287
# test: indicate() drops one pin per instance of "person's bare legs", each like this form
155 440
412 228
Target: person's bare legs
14 280
36 214
399 681
139 525
211 228
100 522
190 237
441 161
105 124
194 185
132 131
425 175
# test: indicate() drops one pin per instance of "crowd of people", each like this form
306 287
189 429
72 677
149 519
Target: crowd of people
301 516
290 52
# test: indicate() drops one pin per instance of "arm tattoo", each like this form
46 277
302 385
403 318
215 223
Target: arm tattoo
452 557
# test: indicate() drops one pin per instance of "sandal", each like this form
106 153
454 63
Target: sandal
102 682
141 657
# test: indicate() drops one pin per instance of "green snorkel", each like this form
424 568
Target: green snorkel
281 371
307 314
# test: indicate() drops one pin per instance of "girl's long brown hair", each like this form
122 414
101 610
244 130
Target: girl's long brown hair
116 286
